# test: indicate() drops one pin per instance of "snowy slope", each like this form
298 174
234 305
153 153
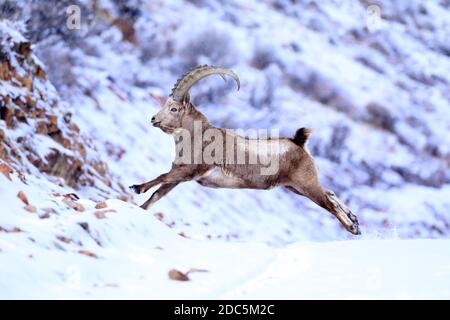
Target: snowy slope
378 102
126 253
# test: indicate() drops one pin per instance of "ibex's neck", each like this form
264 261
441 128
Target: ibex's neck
196 121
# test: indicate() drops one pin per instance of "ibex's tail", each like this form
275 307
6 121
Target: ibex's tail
301 136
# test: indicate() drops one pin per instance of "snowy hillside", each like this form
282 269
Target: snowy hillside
377 99
75 109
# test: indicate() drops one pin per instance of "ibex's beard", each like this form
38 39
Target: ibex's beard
165 129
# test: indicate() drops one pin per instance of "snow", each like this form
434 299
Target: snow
320 68
10 30
387 269
135 252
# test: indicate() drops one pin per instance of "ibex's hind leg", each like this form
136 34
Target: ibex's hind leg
158 194
330 202
305 182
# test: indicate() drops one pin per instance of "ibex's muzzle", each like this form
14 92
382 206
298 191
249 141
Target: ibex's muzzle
154 122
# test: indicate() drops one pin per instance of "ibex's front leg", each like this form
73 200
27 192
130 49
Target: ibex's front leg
158 194
176 174
168 180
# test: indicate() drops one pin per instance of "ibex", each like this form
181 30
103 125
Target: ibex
296 169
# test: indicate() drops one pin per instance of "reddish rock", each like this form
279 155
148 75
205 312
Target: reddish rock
178 275
101 205
22 196
30 208
88 253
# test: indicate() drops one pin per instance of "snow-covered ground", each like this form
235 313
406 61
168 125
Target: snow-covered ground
121 251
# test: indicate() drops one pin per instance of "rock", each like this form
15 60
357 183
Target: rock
35 98
178 275
84 225
67 167
15 230
52 129
24 48
88 253
22 196
53 119
31 103
380 116
7 114
72 196
6 170
74 127
101 214
79 207
40 73
159 216
67 117
46 212
126 27
101 205
123 197
20 116
41 127
12 230
64 239
26 82
5 71
74 205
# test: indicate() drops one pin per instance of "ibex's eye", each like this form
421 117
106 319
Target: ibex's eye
174 110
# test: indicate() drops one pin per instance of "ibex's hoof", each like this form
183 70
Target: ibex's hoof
136 189
355 226
355 229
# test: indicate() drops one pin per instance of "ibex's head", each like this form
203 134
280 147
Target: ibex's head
178 107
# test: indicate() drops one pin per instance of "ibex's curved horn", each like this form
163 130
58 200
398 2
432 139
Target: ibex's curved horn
182 86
